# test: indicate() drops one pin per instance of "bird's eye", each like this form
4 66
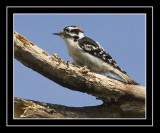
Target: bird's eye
74 31
66 30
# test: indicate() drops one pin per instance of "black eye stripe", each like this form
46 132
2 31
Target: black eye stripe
75 31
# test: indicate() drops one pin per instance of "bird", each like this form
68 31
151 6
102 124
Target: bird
87 52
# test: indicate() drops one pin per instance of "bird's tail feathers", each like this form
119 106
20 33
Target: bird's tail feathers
125 77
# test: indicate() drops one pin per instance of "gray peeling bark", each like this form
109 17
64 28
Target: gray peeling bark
123 99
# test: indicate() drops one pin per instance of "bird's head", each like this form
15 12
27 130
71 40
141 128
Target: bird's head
71 32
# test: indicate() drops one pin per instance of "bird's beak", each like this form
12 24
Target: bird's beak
59 34
56 34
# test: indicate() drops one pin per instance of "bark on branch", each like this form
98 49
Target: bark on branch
78 78
33 109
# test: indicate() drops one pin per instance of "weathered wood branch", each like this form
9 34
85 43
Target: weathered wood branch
77 78
33 109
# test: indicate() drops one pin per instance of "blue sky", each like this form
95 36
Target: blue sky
121 35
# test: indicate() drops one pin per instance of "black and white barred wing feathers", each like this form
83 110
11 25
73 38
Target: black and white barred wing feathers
93 48
96 50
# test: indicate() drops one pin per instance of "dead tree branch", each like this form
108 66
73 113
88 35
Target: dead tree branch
33 109
78 78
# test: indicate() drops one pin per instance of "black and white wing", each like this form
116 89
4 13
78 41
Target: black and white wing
90 46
